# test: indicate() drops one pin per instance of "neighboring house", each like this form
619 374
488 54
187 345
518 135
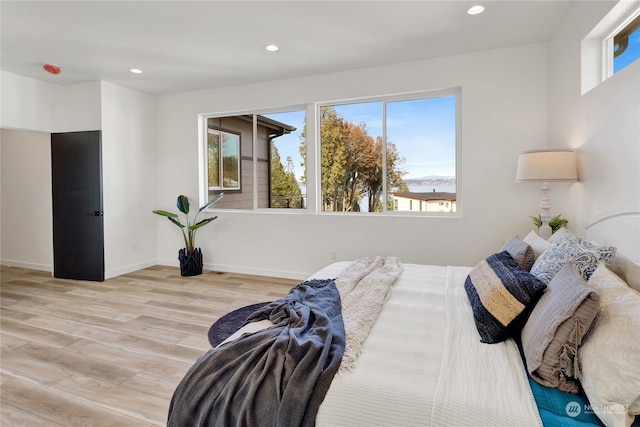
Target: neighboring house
230 158
435 201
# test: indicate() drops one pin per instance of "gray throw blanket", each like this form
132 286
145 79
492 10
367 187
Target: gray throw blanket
274 377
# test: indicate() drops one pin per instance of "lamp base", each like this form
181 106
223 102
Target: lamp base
545 230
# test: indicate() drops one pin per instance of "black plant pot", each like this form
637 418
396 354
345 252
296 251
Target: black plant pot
190 262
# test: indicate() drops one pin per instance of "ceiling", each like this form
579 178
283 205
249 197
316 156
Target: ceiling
193 45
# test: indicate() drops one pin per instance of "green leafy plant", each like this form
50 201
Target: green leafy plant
191 226
556 222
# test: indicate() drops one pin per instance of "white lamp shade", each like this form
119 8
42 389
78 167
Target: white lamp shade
547 165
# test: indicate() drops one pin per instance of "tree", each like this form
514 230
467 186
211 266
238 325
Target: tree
351 165
285 191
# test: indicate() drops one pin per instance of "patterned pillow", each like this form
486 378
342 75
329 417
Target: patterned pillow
501 294
520 251
570 248
555 328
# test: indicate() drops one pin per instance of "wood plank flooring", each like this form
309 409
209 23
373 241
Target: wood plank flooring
78 353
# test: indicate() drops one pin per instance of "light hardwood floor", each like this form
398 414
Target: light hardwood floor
78 353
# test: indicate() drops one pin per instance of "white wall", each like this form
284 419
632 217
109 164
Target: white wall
129 162
128 123
26 233
603 125
504 111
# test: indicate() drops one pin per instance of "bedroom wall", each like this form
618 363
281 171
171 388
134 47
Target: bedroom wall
603 125
129 161
31 110
504 111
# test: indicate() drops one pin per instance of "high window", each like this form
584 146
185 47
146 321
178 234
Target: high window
623 47
390 154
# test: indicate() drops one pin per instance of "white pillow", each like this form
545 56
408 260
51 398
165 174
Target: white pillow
538 244
610 353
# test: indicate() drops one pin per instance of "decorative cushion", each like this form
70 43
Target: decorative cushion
520 251
610 354
568 247
555 328
536 242
501 294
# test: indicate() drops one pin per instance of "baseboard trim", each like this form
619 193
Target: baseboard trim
27 265
226 268
129 269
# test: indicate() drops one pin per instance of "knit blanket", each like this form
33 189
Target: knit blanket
364 288
274 377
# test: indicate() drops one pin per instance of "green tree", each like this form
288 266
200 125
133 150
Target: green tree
285 191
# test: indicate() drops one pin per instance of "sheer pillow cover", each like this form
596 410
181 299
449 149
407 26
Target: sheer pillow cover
555 329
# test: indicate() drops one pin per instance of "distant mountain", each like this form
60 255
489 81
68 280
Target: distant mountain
432 180
428 177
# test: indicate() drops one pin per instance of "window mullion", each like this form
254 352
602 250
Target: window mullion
384 157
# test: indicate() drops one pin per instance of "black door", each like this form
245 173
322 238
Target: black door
78 229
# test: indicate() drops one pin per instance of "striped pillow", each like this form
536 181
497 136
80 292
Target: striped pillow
501 295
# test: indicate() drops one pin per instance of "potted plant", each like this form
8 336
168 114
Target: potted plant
556 222
190 257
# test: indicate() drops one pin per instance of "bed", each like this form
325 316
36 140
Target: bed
442 349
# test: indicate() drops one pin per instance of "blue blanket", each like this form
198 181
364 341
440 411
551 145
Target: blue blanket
275 377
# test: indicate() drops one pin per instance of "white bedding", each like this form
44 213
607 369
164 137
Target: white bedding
423 363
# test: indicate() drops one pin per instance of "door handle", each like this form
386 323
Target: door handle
97 213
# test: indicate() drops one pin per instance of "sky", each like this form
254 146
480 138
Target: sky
423 131
631 54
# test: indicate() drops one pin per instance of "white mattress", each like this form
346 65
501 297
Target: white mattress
423 363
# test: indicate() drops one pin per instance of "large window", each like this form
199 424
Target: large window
382 155
395 154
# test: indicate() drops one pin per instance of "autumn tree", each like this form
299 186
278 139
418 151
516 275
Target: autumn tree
351 165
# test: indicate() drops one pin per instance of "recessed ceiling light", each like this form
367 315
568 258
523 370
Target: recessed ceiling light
136 71
474 10
271 47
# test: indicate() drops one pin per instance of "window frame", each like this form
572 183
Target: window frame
313 157
407 96
608 49
222 188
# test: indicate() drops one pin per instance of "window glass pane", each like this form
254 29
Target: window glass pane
286 180
626 45
351 157
421 154
230 161
276 167
420 166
